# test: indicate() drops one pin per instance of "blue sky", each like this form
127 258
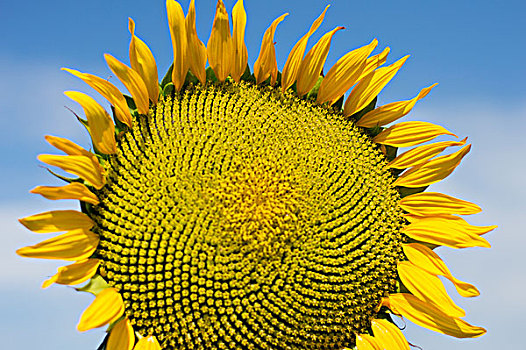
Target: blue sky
474 50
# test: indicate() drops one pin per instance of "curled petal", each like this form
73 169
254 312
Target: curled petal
133 82
75 273
148 343
430 317
109 92
408 134
292 66
432 171
240 55
440 231
366 342
428 260
421 154
75 245
312 65
101 126
266 64
56 221
344 74
121 336
374 62
390 112
82 166
370 86
196 50
219 47
176 22
74 190
106 308
427 287
143 62
433 203
388 335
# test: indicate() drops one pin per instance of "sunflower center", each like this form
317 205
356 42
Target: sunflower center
238 218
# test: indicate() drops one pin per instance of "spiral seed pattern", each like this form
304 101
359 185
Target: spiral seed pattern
235 217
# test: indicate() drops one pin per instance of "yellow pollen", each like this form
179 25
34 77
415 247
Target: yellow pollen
236 217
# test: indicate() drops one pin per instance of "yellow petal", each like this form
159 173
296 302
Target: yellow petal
240 58
56 221
143 62
388 335
390 112
421 154
219 47
266 64
78 165
106 308
344 74
74 190
176 22
109 92
370 86
312 65
133 82
457 220
428 260
77 244
291 68
433 203
432 171
196 50
430 317
148 343
121 336
366 342
445 232
374 62
68 146
75 273
101 126
427 287
408 134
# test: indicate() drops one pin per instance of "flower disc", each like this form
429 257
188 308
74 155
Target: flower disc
236 217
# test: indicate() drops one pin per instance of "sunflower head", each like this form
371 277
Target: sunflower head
225 209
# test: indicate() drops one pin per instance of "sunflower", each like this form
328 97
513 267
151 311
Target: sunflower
225 209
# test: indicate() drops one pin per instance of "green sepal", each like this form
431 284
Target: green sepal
313 93
168 89
211 75
338 105
131 103
190 79
390 152
248 76
119 126
95 285
102 346
63 178
407 191
356 116
168 77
